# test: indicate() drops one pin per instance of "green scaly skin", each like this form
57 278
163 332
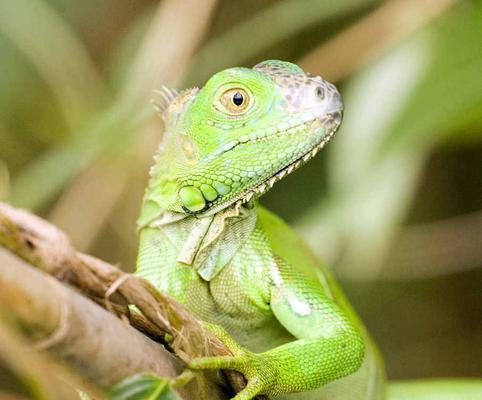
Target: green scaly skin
205 241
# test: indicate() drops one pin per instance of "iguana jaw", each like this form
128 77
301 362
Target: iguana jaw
330 122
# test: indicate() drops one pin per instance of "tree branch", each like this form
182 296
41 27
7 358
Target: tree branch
100 346
36 373
44 246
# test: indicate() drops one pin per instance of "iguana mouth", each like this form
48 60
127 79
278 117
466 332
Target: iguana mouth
331 121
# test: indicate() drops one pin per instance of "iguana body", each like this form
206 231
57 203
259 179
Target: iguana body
205 241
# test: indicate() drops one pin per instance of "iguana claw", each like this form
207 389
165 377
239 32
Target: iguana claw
256 368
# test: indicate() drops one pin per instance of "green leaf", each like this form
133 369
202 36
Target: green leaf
448 99
143 387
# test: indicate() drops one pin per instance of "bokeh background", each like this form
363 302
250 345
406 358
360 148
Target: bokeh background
394 204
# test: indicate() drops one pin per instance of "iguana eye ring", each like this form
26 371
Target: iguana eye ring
236 100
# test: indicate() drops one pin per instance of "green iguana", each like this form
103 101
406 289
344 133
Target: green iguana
205 241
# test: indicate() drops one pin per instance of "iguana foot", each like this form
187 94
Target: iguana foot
256 368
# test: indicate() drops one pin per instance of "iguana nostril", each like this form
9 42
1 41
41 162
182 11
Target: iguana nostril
320 93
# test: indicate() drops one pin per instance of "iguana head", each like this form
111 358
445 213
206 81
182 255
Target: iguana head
243 131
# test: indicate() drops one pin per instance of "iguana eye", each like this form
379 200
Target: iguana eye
236 101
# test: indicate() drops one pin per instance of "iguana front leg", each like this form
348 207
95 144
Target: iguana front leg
328 345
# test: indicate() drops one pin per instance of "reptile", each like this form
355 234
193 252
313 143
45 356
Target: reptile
206 241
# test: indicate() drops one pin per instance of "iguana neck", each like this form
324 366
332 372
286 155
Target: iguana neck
207 243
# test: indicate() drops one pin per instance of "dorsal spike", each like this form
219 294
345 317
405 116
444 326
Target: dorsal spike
172 98
166 96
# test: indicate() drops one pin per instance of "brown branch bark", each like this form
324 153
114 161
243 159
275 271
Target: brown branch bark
100 346
37 373
45 247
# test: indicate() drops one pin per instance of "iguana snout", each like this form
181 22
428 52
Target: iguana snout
302 91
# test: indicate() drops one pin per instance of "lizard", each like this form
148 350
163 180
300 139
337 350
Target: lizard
205 240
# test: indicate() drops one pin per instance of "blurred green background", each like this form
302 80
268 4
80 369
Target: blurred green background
394 204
